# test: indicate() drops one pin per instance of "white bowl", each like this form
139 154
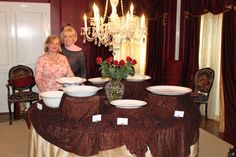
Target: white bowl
81 91
52 98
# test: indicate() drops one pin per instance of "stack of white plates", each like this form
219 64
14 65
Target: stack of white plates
169 90
98 80
128 103
138 78
71 80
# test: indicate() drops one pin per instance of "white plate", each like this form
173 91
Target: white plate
71 80
81 91
138 78
98 80
128 103
169 90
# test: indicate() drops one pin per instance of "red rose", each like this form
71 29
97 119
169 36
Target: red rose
122 62
128 59
109 60
115 62
133 62
99 60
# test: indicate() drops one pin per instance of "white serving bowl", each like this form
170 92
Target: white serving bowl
81 91
52 98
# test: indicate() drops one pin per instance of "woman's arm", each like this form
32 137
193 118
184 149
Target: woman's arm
40 85
70 73
38 75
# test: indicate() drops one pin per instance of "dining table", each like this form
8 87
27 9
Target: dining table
155 129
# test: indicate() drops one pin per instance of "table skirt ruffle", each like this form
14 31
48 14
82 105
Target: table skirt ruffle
39 147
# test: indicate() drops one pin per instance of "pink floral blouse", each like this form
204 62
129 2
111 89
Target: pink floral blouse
49 71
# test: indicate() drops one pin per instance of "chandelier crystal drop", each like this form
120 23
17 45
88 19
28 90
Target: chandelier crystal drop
112 31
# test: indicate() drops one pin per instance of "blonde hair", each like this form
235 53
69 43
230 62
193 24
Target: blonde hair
49 40
68 30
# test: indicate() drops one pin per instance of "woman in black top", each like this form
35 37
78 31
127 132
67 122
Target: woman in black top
74 54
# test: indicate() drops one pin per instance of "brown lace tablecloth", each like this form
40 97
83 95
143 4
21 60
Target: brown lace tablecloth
70 127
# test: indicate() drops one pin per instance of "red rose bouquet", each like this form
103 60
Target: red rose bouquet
116 69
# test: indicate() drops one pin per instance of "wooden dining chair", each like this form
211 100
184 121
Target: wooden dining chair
19 87
203 81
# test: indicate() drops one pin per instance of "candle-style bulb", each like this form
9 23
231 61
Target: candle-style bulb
85 21
142 21
131 10
94 7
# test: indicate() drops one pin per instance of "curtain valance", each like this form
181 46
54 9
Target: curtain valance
200 7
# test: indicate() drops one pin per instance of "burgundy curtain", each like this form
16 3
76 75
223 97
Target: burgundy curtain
160 43
155 57
190 31
189 46
229 71
195 9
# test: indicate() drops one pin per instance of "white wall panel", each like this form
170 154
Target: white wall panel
24 28
5 39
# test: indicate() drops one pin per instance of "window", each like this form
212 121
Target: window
210 56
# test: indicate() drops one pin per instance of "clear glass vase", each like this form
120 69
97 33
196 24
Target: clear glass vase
114 89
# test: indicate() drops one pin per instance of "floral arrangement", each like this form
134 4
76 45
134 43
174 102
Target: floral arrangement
116 69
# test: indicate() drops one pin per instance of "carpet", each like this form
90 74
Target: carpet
212 146
14 141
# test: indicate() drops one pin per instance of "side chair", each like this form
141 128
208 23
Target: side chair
203 81
19 87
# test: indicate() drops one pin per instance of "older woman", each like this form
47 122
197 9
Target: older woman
74 54
51 66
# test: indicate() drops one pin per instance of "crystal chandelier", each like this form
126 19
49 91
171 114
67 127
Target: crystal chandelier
112 31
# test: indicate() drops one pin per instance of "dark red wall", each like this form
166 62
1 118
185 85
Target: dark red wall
72 13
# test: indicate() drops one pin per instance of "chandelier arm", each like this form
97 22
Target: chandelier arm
104 37
90 39
99 36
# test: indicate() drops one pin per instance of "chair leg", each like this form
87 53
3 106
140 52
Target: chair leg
206 106
10 113
17 111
